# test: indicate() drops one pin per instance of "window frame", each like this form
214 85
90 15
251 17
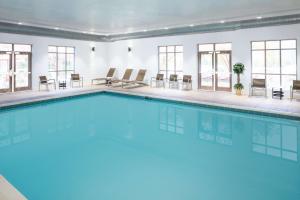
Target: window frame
280 74
56 62
166 72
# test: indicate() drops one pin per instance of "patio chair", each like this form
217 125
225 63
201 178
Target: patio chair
173 81
126 77
158 80
75 78
46 82
259 84
295 87
107 79
138 82
187 82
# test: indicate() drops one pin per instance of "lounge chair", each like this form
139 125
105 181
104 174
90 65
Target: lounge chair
46 82
75 78
126 77
258 84
138 82
158 80
295 87
187 82
107 79
173 81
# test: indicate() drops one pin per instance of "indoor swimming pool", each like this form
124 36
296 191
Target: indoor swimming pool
111 147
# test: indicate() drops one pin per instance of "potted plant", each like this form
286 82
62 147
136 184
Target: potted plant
238 69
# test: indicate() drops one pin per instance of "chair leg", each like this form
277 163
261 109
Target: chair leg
266 93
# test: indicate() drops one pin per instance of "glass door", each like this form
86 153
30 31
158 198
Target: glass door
215 67
223 71
206 70
22 71
5 67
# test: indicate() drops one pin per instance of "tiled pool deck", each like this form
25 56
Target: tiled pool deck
221 99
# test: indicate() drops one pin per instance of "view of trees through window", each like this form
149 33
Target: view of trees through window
275 61
170 60
61 62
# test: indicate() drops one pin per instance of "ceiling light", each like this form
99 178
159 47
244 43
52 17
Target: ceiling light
56 28
222 21
192 25
259 17
166 28
20 23
145 30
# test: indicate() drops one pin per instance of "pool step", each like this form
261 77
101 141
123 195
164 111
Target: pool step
9 192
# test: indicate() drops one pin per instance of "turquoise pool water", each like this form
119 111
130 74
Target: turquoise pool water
112 147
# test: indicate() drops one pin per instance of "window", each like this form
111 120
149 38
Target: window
275 139
215 127
275 61
61 62
170 60
171 120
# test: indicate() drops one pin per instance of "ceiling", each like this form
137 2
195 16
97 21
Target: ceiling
106 17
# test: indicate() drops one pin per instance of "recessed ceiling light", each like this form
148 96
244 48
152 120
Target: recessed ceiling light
192 25
20 23
222 21
259 17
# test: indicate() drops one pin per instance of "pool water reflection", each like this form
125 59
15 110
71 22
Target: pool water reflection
117 147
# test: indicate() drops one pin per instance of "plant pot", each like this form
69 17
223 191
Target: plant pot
238 92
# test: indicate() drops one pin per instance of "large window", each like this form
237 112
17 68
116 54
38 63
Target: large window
275 139
61 62
275 61
171 120
170 60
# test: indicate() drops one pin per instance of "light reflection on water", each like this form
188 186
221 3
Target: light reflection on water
147 143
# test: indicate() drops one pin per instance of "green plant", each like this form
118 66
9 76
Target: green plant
238 69
238 86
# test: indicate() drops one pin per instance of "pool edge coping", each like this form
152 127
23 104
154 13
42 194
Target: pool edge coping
244 109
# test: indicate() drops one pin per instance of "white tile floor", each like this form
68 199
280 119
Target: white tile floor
8 192
224 99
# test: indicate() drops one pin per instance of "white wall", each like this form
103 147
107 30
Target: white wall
89 64
145 52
